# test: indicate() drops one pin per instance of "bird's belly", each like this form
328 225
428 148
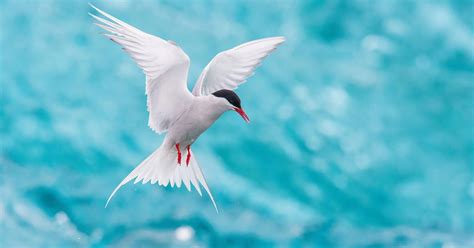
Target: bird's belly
187 130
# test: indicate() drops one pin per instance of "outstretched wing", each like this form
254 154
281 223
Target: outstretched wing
229 69
164 64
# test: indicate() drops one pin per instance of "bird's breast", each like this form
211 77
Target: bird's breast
193 123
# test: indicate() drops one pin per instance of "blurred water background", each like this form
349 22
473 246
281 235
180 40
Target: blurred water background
361 135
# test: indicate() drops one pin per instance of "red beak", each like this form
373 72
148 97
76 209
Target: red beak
243 114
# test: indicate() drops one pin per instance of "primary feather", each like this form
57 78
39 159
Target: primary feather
164 64
229 69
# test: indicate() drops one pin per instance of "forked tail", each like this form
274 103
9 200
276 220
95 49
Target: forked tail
161 167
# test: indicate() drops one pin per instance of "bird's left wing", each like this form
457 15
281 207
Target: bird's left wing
229 69
164 64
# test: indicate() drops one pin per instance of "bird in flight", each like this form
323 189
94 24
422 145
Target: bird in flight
172 108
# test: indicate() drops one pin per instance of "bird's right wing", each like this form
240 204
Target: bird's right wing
164 64
229 69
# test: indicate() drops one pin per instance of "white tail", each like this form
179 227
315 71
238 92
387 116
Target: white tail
161 166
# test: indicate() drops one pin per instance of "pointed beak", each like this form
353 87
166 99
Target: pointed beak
243 114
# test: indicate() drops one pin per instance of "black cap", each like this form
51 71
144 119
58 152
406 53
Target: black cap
231 97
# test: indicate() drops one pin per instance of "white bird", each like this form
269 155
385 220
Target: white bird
173 108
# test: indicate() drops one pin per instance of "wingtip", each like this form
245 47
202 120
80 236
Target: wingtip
90 4
95 8
280 39
276 40
92 15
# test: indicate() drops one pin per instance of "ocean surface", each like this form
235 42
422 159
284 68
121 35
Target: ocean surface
361 133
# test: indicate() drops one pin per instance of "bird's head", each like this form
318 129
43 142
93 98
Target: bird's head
232 101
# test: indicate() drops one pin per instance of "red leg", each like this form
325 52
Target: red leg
188 157
179 154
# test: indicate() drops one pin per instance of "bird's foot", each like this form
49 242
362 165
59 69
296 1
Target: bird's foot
179 154
188 157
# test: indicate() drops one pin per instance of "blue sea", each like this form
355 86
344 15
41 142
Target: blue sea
361 133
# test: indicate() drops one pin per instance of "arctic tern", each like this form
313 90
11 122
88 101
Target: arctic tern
172 108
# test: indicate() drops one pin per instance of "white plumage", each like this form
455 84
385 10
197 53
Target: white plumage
173 108
231 68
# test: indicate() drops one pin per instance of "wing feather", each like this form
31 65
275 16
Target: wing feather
230 68
164 64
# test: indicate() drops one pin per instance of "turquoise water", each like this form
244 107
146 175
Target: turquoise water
361 133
